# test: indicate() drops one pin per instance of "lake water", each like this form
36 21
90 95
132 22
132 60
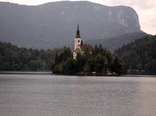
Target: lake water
43 94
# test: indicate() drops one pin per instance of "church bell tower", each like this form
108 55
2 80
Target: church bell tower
78 41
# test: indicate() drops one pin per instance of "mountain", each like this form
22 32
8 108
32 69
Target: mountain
116 42
139 55
54 24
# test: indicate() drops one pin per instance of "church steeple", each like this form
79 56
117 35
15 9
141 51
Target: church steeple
78 41
78 44
78 32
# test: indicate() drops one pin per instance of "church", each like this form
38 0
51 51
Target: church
78 45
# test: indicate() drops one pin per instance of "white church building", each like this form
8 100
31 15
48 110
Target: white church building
78 45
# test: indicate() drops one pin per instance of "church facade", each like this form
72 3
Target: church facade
78 45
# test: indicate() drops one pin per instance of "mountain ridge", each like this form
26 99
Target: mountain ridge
116 42
53 24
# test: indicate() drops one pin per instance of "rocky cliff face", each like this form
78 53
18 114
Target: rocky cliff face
54 24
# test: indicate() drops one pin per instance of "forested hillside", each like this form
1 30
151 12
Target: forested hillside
13 58
116 42
139 55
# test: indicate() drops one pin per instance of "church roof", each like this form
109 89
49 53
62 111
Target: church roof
83 48
88 47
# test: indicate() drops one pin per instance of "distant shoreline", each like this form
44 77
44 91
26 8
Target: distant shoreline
26 72
50 73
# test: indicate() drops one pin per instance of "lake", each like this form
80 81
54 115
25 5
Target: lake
44 94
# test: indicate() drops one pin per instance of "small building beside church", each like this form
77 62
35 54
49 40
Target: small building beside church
79 47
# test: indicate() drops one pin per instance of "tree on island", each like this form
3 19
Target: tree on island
100 61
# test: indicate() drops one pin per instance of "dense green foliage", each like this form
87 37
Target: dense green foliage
100 61
139 55
13 58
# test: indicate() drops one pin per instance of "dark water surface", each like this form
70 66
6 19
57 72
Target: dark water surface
51 95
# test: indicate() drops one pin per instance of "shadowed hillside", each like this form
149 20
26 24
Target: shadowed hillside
139 55
53 24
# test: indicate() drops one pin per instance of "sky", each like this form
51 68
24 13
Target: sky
146 9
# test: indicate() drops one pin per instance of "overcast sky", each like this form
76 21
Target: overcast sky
146 9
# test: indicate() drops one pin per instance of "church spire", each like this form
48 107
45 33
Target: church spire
78 32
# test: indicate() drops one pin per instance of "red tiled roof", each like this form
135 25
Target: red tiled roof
83 48
86 47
